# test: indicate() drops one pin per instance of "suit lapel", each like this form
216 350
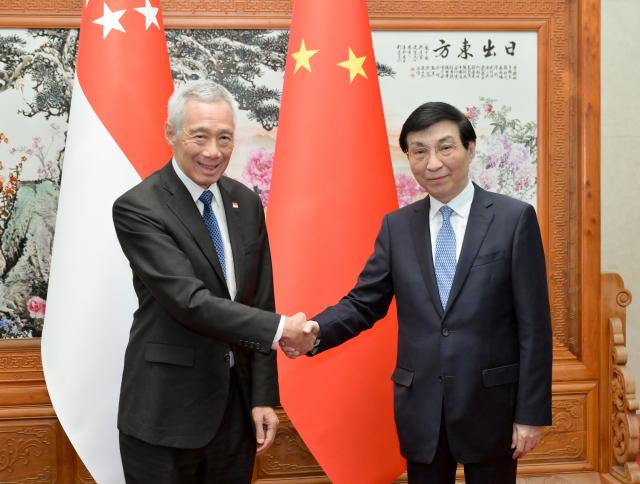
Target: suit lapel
480 218
421 235
234 224
181 204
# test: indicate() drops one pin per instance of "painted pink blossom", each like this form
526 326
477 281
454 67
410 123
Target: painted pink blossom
489 108
472 113
407 188
257 173
37 307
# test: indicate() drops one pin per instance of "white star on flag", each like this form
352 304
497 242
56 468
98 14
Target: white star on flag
150 14
110 20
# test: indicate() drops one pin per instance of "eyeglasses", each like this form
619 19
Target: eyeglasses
443 151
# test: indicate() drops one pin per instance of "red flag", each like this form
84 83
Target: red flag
115 136
332 183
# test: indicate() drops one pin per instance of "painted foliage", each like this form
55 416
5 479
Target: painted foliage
36 77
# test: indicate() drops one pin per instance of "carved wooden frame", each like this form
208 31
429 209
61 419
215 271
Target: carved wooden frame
568 145
623 429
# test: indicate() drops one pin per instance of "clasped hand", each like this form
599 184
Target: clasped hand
298 335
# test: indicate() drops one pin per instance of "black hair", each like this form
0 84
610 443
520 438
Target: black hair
431 113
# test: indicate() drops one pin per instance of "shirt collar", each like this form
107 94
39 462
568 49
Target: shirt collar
194 189
460 205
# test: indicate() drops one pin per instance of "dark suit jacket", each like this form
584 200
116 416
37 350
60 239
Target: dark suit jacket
176 371
486 360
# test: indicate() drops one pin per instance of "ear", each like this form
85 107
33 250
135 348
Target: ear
472 149
169 133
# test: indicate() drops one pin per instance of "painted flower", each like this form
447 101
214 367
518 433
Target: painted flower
37 307
407 189
505 166
489 108
472 113
257 173
5 324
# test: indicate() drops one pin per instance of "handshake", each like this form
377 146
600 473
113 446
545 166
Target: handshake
299 335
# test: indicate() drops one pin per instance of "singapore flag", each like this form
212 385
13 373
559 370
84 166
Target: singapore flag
115 138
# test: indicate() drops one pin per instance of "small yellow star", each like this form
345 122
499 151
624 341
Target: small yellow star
302 57
354 64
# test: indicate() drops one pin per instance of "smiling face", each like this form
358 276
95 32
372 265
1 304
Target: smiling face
439 161
203 147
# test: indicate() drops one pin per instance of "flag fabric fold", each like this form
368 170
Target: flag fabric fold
115 137
332 183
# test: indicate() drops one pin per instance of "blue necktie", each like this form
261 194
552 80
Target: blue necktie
445 260
214 230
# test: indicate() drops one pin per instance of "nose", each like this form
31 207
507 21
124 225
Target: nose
433 162
211 150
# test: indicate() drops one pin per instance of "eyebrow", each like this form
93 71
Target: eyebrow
441 140
203 129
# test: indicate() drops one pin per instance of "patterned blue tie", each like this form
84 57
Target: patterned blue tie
214 230
445 255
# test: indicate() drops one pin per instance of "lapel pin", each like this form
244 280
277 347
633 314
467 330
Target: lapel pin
234 204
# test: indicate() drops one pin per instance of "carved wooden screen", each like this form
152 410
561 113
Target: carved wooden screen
568 200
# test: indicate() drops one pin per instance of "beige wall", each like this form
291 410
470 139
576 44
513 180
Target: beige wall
621 156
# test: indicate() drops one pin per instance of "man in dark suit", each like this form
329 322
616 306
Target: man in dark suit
472 383
200 379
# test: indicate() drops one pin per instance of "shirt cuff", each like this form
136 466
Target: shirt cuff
276 339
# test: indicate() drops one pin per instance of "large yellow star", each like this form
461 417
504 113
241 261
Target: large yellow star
302 57
354 64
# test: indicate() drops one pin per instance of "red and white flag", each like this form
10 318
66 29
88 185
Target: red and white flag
332 183
115 138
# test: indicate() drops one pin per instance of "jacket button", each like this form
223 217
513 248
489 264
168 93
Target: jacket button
445 332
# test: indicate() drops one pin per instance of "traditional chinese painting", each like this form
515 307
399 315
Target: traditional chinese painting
491 76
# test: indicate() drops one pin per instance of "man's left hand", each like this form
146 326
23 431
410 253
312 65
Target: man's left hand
266 422
525 438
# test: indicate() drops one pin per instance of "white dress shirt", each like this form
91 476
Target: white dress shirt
461 206
195 191
218 210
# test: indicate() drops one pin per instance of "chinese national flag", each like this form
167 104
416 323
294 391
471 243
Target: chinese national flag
332 183
115 138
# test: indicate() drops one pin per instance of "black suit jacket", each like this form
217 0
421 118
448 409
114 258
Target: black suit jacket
486 360
176 371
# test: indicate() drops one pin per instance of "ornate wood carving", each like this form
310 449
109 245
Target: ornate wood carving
288 456
28 453
624 423
567 437
20 360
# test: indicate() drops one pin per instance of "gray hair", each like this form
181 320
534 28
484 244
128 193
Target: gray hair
203 90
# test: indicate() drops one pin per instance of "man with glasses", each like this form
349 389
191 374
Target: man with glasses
472 383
